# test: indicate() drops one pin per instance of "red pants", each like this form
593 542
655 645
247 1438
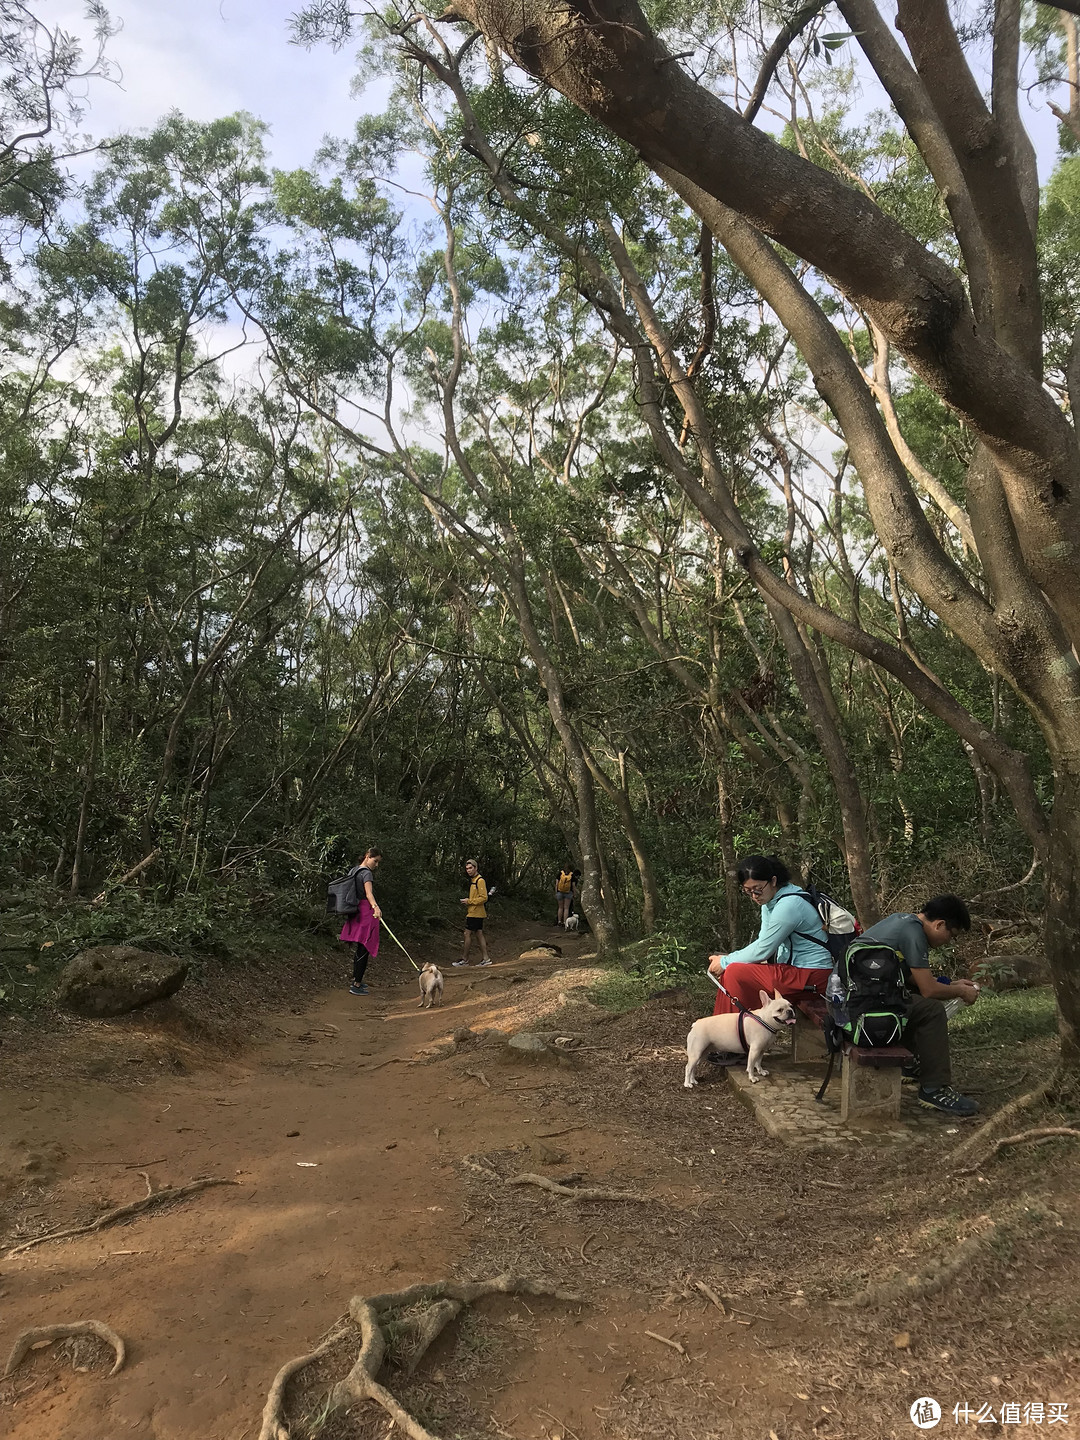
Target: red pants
744 981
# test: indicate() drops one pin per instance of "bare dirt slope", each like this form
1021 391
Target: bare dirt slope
373 1152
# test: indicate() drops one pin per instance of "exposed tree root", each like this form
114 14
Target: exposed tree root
430 1326
928 1281
272 1428
575 1192
445 1300
943 1269
1014 1107
122 1212
1024 1138
42 1334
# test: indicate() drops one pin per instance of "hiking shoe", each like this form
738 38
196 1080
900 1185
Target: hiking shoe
359 990
459 963
483 963
949 1102
911 1072
725 1058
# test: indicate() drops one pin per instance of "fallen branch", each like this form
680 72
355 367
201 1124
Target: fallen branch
122 1212
710 1294
586 1192
144 864
46 1334
471 1164
1014 1107
1024 1137
1003 889
665 1341
446 1299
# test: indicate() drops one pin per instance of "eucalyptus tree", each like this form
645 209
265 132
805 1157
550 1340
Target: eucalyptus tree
965 318
44 73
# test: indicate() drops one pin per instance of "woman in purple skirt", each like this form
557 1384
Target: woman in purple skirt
362 929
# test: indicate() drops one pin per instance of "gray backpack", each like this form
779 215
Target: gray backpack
343 896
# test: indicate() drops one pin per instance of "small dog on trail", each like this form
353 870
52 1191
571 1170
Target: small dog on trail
431 986
571 922
750 1032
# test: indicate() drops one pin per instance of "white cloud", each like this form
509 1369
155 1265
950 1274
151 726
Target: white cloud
209 58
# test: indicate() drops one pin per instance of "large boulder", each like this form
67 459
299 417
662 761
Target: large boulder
113 979
1012 972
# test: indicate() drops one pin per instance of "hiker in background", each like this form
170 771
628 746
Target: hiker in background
362 929
565 890
791 953
914 935
475 910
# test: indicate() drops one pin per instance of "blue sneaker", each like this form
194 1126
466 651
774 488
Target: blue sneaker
949 1102
359 990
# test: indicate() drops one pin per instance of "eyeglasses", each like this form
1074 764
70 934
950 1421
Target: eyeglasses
755 892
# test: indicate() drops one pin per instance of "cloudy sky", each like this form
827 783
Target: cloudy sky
211 57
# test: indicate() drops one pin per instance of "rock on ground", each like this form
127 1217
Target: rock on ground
113 979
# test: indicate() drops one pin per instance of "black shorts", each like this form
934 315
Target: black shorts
474 922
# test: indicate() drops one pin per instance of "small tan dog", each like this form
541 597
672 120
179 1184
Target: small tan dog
431 986
751 1033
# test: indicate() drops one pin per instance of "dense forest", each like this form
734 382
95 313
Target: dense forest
493 486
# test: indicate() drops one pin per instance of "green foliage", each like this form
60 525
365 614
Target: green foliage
259 609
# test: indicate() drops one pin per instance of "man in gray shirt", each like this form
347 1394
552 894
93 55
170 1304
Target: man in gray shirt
915 934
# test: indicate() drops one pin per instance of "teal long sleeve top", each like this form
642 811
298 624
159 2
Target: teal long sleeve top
791 933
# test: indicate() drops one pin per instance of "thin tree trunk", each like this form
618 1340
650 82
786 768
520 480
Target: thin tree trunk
650 894
89 779
849 796
593 903
727 855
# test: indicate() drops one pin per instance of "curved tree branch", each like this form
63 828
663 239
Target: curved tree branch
786 36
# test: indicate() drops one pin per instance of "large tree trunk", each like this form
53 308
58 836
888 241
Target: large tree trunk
1063 903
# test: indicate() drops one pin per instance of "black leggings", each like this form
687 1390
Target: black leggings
359 964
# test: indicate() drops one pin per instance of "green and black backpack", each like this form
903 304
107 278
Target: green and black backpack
867 999
870 1005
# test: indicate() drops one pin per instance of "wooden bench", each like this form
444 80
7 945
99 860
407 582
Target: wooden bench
870 1078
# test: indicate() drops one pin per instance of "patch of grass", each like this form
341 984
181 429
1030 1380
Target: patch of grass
1011 1018
619 992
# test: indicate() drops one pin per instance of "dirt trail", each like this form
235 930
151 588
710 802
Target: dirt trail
355 1126
347 1154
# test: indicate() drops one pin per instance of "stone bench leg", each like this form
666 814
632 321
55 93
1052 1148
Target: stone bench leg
808 1041
869 1093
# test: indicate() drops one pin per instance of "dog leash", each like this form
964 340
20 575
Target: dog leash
398 943
742 1009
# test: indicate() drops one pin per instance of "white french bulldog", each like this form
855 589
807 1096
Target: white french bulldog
722 1032
571 922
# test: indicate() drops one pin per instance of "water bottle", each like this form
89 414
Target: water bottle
952 1007
836 1000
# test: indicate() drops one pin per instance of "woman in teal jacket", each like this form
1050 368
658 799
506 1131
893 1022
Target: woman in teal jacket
791 953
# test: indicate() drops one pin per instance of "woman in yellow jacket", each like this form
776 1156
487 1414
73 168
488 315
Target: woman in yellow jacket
475 910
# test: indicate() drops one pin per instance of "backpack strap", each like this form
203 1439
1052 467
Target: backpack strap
819 1097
